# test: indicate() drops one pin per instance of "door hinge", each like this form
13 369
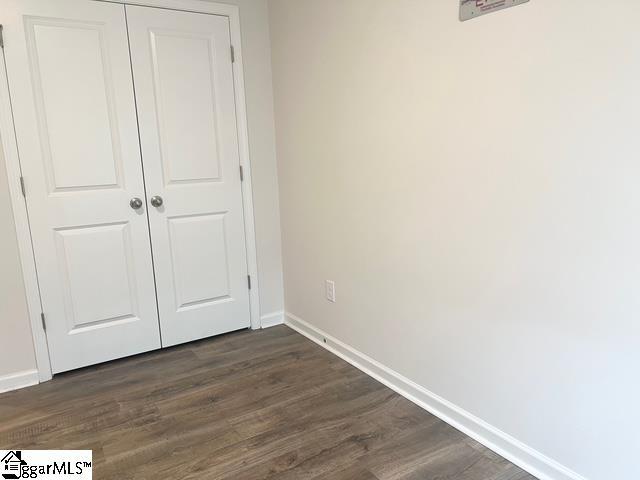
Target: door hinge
44 322
241 174
233 54
22 189
249 281
1 37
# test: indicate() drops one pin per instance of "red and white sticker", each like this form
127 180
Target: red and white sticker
474 8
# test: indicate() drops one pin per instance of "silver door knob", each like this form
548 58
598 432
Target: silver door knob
157 201
136 203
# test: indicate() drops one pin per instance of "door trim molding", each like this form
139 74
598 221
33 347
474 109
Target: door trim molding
245 159
18 202
23 230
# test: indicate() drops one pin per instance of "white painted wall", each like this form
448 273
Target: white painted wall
472 188
16 346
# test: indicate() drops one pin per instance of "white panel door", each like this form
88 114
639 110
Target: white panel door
74 110
185 98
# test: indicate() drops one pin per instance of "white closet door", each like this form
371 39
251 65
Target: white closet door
72 94
185 98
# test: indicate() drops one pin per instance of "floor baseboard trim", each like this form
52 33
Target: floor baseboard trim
503 444
272 319
19 380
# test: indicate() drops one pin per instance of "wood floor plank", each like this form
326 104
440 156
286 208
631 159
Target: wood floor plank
244 406
350 472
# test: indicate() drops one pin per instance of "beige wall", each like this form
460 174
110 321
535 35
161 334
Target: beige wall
16 349
16 345
472 188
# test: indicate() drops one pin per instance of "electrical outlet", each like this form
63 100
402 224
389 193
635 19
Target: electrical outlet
330 290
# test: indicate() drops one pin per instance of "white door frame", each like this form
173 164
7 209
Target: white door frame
14 172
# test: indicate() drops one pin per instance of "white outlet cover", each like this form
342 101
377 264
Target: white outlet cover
330 290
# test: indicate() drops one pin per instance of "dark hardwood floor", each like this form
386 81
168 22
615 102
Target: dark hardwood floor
245 406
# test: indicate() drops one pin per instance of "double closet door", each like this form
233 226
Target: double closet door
126 128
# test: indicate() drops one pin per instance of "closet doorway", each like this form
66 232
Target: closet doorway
131 167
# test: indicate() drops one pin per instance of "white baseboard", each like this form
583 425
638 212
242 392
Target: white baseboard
18 380
272 319
503 444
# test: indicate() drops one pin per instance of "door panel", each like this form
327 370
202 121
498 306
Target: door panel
92 300
200 277
185 98
72 92
188 131
75 104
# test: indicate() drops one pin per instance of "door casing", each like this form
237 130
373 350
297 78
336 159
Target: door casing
14 173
